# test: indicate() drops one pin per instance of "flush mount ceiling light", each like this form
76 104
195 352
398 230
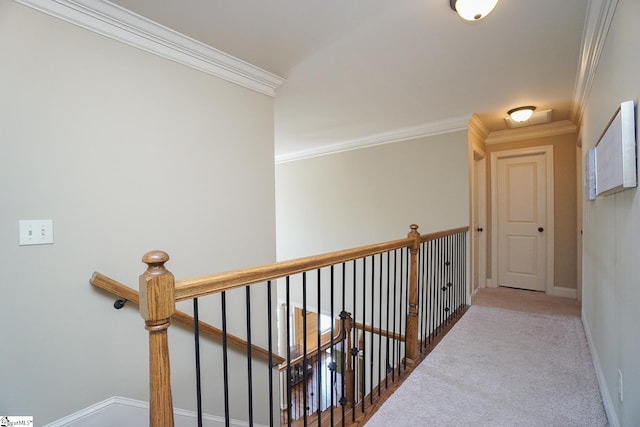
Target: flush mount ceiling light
472 10
521 114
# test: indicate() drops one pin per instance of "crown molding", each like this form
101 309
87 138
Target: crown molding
398 135
110 20
598 21
478 128
538 131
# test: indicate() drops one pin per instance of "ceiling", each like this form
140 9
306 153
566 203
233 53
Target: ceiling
365 69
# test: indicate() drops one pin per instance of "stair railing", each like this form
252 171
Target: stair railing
400 298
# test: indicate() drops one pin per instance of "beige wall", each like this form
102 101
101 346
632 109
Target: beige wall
564 170
611 241
371 195
125 152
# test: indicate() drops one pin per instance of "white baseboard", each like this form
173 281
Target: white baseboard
559 291
602 383
131 412
491 283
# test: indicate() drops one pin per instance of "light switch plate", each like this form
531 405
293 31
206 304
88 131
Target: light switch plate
36 232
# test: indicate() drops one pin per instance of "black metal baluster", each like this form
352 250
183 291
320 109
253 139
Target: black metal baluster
345 351
289 376
354 350
440 284
447 280
249 356
387 326
304 346
373 293
196 334
434 285
380 328
423 301
395 314
447 307
332 365
464 271
457 275
318 375
402 361
427 270
452 280
419 299
463 290
270 344
363 374
443 276
225 360
463 266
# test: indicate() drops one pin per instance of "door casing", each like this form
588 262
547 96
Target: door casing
547 151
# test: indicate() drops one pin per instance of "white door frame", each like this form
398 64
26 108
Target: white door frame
547 150
478 207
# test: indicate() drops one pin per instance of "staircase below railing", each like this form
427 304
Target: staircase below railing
388 303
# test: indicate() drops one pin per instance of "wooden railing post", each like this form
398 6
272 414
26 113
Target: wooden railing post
412 313
157 304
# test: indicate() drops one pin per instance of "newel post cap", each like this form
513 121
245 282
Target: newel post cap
157 289
413 234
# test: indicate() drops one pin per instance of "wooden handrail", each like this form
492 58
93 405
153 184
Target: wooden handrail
116 288
312 352
438 234
214 283
377 331
204 285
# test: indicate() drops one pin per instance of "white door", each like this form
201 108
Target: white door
522 221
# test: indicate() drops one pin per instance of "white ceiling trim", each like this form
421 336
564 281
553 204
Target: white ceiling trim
598 20
538 131
398 135
112 21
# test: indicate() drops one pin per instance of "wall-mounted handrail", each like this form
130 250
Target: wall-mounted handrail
118 289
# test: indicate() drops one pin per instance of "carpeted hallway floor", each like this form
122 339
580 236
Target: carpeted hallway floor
516 358
529 301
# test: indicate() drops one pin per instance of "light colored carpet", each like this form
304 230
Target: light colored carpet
500 367
530 301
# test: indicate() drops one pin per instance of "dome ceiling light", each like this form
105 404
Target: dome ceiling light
521 114
473 10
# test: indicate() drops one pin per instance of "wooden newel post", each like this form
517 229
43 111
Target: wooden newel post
412 314
157 304
348 355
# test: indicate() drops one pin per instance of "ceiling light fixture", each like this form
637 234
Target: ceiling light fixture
521 114
472 10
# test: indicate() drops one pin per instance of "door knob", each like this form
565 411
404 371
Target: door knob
480 229
540 229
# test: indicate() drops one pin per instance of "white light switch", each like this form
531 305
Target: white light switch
36 232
